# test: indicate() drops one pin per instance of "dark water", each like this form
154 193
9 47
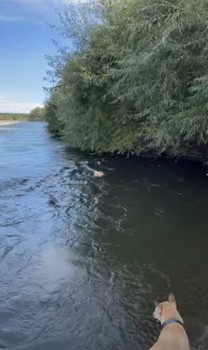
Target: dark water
82 260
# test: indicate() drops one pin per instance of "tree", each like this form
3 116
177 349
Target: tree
137 79
37 113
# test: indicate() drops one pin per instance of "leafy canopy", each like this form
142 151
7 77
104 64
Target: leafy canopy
136 79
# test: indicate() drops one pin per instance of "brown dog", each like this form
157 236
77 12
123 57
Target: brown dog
173 335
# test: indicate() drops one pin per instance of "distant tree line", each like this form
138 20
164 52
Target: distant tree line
13 116
134 77
37 114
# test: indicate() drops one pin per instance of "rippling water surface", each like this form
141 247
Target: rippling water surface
82 260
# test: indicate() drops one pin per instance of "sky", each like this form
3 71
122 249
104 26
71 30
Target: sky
25 39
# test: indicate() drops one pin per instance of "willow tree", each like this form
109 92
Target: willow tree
136 79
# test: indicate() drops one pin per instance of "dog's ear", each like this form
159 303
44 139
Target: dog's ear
171 298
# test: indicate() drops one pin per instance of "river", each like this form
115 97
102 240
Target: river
83 259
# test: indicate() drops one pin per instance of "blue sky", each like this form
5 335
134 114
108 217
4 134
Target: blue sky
25 39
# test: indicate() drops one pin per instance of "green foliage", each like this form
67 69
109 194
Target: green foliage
37 114
137 79
51 114
13 116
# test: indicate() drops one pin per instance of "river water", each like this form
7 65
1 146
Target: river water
82 260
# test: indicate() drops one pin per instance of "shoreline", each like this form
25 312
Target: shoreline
8 122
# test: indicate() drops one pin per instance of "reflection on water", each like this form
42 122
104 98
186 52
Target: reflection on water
82 259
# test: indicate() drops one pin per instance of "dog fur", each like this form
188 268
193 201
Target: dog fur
172 336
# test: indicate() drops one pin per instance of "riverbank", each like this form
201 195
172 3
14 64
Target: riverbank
142 91
8 122
6 118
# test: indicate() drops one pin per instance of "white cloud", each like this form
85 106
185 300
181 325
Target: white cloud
11 106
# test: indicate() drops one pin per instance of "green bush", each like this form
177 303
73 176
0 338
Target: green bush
137 79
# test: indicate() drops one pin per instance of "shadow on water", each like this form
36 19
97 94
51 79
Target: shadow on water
82 259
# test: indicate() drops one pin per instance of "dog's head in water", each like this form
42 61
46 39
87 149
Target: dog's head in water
165 309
